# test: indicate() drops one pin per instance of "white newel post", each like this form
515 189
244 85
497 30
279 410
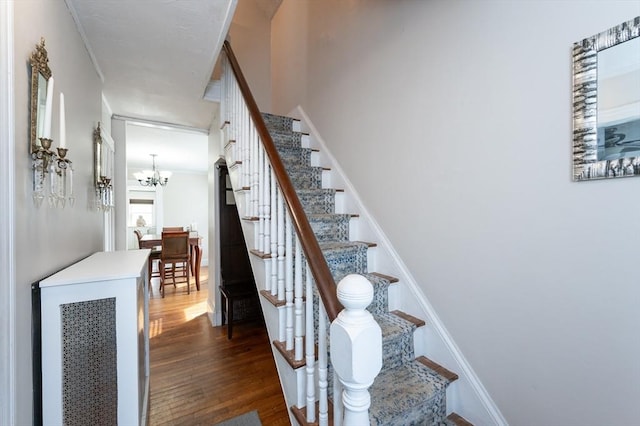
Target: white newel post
356 348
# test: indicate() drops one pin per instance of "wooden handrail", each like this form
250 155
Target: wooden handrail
315 259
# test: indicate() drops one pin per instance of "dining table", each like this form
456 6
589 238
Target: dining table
195 251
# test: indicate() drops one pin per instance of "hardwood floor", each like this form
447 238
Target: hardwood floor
198 376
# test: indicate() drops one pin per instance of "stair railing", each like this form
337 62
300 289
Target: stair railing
293 262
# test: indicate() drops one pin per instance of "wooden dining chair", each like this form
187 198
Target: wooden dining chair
174 258
155 255
173 229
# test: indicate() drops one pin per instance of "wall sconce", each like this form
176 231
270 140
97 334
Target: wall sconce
102 170
53 169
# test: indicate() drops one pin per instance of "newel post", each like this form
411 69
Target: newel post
356 348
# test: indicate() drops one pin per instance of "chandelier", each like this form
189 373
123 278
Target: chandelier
152 177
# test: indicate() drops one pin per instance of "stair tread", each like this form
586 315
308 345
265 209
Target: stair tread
447 374
391 324
407 317
328 216
260 254
289 355
339 245
301 413
311 191
455 419
272 299
387 277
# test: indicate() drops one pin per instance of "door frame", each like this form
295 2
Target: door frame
7 222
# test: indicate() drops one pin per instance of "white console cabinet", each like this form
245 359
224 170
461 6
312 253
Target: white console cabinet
95 341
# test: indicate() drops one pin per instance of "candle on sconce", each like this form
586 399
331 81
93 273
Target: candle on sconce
48 109
103 161
63 127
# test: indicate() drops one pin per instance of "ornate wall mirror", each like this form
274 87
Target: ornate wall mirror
606 103
103 158
40 74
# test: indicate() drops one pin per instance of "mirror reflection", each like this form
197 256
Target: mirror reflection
619 101
41 100
40 74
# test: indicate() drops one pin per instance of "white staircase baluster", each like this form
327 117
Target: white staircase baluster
288 293
323 412
279 290
273 280
246 163
260 196
266 196
255 176
310 356
297 297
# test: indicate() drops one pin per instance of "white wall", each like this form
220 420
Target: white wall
250 39
453 121
185 202
49 239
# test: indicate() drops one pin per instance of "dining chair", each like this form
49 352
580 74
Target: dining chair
174 258
172 229
155 255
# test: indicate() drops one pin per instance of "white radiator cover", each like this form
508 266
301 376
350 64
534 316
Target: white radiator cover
95 341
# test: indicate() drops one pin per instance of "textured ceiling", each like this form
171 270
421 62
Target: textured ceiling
155 56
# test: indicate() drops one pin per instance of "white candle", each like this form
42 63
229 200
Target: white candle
47 110
63 129
103 160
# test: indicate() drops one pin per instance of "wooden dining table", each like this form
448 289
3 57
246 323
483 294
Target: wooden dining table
153 240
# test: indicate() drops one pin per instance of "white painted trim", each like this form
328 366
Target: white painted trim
215 53
7 221
213 92
85 40
163 125
463 368
108 106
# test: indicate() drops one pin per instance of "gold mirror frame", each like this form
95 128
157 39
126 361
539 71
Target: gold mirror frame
39 68
586 165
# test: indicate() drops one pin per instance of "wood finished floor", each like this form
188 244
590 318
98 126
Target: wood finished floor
198 376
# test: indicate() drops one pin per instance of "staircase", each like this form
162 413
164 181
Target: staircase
302 242
409 390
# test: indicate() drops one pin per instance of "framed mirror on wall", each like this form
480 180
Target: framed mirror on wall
40 75
606 103
103 158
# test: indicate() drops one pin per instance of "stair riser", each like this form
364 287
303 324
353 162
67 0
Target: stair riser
295 156
277 122
310 178
287 140
330 228
397 350
318 202
344 262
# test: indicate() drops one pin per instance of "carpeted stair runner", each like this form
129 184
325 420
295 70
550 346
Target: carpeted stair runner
407 392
